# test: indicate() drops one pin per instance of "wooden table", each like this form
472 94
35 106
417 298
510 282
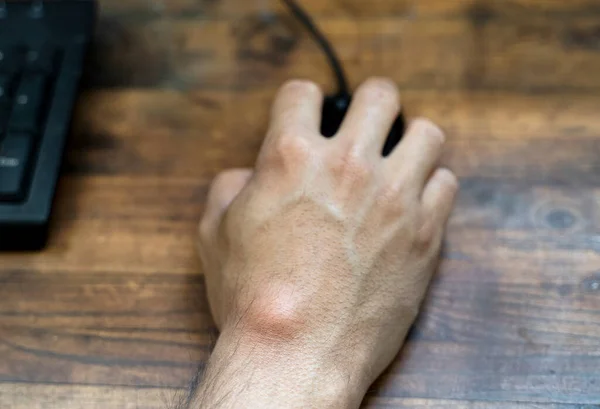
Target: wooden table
112 315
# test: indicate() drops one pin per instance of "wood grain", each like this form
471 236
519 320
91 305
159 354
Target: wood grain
113 313
354 9
165 133
536 54
83 397
480 329
100 219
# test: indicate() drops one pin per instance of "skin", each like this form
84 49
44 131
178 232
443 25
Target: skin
318 259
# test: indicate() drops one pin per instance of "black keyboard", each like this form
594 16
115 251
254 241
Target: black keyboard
42 50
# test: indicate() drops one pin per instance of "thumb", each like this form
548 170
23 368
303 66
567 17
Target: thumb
224 189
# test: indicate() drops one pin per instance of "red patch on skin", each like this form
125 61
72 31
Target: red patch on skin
276 315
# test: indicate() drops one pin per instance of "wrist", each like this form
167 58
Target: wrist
284 327
271 373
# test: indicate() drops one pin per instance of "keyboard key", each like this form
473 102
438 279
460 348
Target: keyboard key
41 59
15 153
11 59
4 115
5 88
28 104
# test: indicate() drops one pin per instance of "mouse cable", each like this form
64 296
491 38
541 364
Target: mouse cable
322 41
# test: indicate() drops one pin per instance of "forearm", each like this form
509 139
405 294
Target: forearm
321 255
244 372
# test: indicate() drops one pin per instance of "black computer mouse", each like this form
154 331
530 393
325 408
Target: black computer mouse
335 108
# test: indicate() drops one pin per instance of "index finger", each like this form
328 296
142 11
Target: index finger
298 106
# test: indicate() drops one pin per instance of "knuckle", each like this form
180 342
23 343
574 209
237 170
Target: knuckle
292 145
393 196
353 166
425 237
292 149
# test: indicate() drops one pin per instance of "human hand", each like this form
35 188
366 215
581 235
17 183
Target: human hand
326 248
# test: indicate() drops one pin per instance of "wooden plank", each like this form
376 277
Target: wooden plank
159 133
111 246
197 114
534 54
105 329
232 8
482 204
404 403
25 396
502 322
356 8
563 161
483 9
512 316
148 225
